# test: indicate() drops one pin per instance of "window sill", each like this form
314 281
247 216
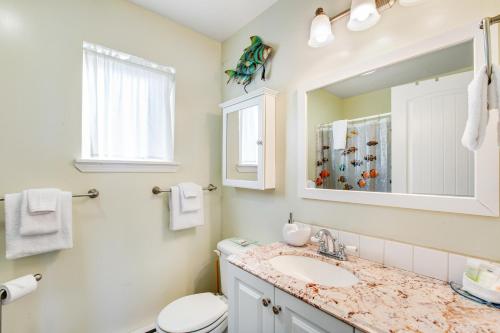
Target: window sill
91 165
246 168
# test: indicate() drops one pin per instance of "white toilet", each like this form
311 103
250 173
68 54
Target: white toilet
205 312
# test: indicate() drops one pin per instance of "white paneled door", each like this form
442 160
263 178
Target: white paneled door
428 119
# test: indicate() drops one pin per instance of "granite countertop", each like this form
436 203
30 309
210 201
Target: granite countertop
385 300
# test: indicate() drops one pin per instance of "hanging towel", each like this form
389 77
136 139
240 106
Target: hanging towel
43 221
339 131
178 219
42 200
18 246
477 118
191 195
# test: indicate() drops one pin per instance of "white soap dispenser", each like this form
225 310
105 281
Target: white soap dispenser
295 234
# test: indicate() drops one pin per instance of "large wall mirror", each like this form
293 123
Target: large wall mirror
391 134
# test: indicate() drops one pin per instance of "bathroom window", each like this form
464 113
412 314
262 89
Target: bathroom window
128 108
249 135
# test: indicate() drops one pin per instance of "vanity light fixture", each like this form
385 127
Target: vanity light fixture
364 15
321 30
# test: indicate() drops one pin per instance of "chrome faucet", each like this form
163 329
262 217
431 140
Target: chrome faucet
324 238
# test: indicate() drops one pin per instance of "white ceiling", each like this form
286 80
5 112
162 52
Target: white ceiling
424 67
217 19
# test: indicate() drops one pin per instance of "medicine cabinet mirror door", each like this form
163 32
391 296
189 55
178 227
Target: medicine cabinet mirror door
248 140
389 133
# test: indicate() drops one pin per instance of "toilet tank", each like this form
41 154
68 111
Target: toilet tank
227 248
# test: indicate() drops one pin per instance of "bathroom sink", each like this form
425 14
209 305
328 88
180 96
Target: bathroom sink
313 271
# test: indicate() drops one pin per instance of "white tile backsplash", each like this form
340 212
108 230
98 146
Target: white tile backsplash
398 255
437 264
456 267
371 249
430 263
351 241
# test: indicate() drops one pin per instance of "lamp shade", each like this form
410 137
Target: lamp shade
364 15
321 31
409 3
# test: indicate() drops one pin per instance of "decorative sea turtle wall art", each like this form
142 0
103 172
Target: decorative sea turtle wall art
253 59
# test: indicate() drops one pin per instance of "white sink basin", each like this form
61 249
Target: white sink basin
313 271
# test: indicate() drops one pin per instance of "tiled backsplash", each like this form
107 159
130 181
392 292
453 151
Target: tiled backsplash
437 264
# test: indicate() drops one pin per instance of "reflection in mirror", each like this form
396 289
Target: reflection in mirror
395 129
242 143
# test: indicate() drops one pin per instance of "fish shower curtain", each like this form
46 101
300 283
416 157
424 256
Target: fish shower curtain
365 163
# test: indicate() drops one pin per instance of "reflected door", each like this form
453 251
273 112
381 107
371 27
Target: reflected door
428 122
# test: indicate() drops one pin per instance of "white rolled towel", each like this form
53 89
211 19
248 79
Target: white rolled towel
18 288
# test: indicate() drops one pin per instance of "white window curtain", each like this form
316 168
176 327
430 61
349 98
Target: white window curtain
249 135
127 106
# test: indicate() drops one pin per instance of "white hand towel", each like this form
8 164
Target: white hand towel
191 195
42 200
180 220
339 130
18 288
37 223
477 119
18 246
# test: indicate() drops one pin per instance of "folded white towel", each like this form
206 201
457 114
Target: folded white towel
477 119
18 246
339 131
191 196
39 223
180 220
42 200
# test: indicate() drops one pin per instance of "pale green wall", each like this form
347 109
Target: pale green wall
369 104
261 214
126 265
325 107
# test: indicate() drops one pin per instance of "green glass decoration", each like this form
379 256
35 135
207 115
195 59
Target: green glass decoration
251 61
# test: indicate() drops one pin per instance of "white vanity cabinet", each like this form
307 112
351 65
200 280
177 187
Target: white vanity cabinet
257 306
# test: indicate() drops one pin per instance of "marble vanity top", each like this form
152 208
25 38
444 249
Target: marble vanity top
385 300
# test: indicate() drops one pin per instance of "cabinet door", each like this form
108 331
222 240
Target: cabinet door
297 316
250 303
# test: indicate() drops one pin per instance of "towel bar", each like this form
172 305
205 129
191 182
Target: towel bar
158 190
485 25
92 193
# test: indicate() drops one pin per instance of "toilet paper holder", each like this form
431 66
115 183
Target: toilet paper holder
3 295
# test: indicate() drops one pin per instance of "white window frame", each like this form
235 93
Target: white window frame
128 165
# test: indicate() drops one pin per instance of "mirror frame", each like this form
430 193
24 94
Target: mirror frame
486 178
265 99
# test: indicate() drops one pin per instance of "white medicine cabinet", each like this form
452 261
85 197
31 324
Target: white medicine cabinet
248 140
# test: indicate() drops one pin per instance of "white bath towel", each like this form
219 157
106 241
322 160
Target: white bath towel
42 200
42 221
477 119
339 130
18 246
191 197
180 220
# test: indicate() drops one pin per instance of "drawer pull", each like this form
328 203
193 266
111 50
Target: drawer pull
276 309
266 301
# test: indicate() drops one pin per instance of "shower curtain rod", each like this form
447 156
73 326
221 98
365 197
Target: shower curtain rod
362 118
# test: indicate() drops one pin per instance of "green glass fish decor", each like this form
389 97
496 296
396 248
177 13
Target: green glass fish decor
251 61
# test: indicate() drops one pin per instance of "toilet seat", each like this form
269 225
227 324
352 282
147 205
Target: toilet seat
200 313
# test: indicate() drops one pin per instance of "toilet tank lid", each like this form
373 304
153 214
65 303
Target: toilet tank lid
232 246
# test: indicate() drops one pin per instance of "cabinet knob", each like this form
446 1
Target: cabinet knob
276 309
266 301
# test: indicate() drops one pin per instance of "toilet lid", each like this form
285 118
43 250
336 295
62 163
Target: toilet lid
191 313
